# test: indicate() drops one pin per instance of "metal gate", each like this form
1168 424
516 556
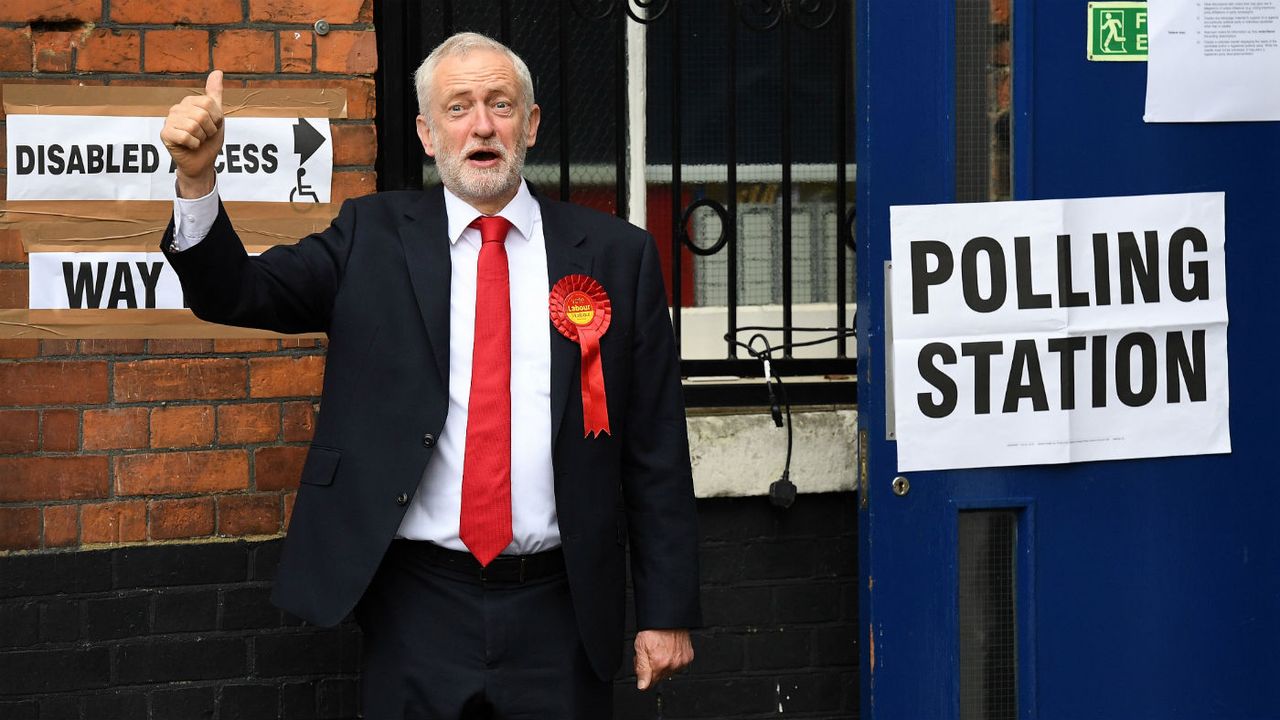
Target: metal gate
723 127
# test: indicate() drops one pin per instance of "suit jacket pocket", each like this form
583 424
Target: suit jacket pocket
321 465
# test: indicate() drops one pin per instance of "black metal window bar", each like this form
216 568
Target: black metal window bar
748 142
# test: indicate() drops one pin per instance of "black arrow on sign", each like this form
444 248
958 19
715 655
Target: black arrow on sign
306 140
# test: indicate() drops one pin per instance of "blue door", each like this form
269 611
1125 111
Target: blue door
1121 589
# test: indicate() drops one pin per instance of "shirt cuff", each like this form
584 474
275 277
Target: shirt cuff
192 219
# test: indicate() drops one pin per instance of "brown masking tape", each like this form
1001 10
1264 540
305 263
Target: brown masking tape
105 226
121 325
117 101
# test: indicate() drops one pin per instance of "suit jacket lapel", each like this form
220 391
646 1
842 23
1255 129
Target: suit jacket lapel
566 255
424 233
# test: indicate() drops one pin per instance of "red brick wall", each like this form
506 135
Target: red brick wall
136 441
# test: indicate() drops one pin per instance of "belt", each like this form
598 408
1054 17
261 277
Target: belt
504 568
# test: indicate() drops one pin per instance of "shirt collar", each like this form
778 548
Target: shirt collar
519 212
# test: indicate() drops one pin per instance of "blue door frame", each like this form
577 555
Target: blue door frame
1146 588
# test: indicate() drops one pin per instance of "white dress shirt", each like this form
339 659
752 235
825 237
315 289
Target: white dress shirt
433 514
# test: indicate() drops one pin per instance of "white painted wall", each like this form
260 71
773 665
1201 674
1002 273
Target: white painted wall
740 454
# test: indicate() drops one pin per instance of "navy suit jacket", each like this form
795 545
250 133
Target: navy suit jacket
377 281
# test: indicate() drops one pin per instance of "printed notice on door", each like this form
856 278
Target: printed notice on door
1213 61
1057 331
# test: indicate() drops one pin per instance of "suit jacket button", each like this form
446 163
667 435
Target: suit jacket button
428 441
402 499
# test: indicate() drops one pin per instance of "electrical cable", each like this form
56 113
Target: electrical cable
782 492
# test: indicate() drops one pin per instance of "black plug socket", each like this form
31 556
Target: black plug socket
782 492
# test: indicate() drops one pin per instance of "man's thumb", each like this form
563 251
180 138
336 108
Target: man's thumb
213 86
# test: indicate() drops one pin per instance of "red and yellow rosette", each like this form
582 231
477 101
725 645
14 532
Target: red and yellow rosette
580 310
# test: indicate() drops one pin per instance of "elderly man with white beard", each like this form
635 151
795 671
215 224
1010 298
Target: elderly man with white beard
501 419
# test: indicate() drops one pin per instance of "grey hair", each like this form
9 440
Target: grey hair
460 44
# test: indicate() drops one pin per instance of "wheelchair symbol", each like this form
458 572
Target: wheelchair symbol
303 190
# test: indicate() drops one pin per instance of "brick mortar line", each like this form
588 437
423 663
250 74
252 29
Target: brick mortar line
191 76
194 77
275 44
135 544
718 543
332 121
218 683
276 682
725 630
142 45
134 452
787 583
182 635
242 24
211 355
245 633
154 403
111 385
151 403
171 403
214 354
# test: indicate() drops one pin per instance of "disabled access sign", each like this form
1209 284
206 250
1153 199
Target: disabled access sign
86 157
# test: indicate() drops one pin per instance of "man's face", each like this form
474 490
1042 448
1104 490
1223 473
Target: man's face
478 127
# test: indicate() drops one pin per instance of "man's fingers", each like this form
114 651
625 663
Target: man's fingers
213 87
207 125
200 110
193 127
178 138
187 132
644 673
661 654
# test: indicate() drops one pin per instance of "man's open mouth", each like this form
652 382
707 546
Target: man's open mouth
483 156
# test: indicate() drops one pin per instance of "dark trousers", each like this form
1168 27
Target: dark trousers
441 644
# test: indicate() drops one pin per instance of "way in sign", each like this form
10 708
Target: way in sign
86 283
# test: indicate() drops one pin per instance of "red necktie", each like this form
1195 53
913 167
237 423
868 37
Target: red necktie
485 523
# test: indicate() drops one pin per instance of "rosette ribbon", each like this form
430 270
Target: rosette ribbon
580 310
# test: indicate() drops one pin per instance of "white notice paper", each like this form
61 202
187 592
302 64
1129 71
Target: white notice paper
84 157
1056 331
1213 61
102 281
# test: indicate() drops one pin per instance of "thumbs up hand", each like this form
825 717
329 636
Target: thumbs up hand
193 135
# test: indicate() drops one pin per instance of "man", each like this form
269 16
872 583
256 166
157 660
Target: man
458 494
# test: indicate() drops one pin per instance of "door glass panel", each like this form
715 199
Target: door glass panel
983 100
988 615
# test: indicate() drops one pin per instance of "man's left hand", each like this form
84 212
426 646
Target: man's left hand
661 654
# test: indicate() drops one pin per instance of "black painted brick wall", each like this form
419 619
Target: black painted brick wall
172 632
168 632
779 603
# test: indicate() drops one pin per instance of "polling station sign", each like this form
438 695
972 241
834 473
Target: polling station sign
86 157
1055 331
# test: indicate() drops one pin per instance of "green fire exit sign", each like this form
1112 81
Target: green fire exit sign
1117 31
